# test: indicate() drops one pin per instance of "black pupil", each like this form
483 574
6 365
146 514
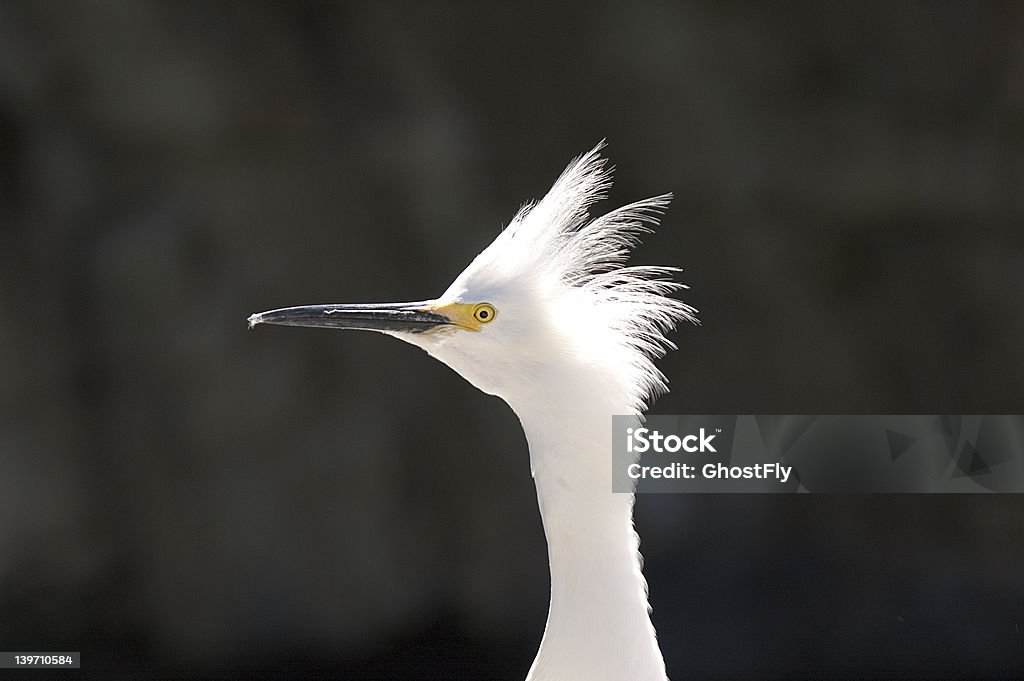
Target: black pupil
483 314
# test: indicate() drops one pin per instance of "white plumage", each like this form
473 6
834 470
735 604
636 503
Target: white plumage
566 273
567 338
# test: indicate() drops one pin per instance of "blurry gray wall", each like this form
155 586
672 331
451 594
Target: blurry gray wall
181 496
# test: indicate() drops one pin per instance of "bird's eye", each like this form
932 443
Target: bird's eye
484 313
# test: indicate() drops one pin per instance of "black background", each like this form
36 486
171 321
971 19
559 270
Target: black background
182 497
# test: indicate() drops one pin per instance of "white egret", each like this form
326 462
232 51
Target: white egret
549 319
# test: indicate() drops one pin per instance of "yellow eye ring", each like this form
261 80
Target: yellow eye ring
484 313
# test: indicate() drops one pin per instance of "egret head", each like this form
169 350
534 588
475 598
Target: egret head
548 301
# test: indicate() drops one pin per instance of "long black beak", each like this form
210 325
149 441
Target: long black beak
408 317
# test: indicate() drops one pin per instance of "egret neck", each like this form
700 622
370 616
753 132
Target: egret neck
598 625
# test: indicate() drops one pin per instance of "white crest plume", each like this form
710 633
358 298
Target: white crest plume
554 247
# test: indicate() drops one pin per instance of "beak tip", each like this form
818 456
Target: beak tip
255 319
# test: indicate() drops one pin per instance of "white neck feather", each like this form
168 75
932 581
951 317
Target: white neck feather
598 625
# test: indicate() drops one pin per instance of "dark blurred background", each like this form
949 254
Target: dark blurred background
182 497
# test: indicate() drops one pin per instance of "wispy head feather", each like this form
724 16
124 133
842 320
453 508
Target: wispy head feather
577 265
